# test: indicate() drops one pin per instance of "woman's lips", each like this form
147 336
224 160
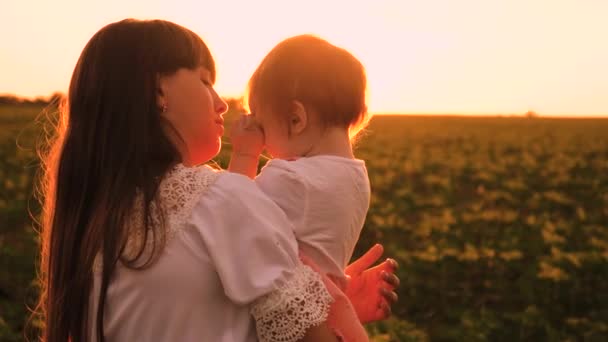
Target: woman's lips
220 122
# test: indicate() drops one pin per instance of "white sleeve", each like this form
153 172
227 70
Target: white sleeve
285 188
252 246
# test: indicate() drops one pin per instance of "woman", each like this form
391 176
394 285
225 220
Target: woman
137 242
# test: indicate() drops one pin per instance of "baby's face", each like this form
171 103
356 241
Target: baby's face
276 133
290 134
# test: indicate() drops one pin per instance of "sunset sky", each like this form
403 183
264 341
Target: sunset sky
422 56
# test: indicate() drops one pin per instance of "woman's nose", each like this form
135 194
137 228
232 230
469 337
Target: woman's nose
221 106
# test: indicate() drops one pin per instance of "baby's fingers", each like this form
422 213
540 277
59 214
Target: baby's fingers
248 122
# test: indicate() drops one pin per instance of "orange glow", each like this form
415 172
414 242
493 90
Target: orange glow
431 56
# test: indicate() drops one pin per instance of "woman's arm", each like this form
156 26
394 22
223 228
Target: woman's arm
319 333
252 246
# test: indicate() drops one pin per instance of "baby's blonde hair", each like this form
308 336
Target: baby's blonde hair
321 76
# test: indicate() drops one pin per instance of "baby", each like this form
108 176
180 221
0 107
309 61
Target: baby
307 102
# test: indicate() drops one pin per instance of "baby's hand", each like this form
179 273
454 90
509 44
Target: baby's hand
247 137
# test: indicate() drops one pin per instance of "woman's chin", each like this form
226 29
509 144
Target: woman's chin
204 156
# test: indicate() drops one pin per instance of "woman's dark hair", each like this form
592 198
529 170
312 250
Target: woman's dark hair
111 148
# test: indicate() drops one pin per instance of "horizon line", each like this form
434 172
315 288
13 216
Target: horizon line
495 114
391 112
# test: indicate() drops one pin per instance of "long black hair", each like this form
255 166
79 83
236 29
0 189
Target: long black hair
111 146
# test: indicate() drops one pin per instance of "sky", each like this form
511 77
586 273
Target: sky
421 56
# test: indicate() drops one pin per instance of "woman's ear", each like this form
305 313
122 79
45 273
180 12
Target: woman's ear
298 118
161 90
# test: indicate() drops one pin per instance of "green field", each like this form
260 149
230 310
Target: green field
500 225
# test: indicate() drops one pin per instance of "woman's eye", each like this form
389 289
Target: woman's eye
206 82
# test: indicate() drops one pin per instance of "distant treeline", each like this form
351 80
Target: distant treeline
235 104
8 99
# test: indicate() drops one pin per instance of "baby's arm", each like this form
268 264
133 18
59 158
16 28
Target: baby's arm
247 144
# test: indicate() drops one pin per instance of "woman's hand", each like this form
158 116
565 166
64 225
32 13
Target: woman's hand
371 290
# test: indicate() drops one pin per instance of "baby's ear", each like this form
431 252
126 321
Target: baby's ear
298 118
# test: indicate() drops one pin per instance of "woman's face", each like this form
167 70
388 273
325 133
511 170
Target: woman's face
195 111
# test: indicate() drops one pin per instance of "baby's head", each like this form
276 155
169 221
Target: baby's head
302 88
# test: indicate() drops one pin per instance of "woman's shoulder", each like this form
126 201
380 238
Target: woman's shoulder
184 175
182 184
184 187
181 189
202 193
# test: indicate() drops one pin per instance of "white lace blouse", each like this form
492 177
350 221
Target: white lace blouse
228 267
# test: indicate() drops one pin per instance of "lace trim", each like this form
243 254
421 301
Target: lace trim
287 313
178 193
180 190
